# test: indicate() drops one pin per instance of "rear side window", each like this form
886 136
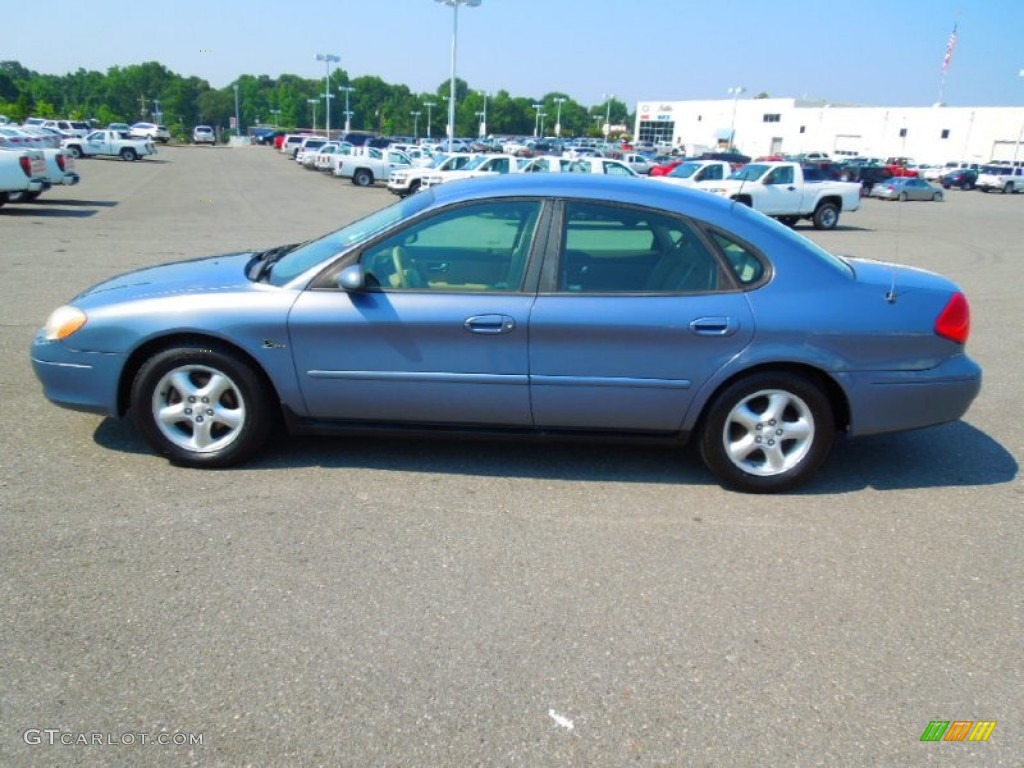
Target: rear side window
613 249
746 267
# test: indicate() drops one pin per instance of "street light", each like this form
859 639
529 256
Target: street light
483 116
347 89
314 102
536 122
429 105
735 92
416 123
608 115
238 119
542 115
455 34
328 59
559 100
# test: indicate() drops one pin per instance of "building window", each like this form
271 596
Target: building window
945 133
903 133
771 118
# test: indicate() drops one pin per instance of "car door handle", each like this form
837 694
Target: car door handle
714 326
490 324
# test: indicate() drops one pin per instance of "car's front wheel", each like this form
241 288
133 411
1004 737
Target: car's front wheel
201 406
767 432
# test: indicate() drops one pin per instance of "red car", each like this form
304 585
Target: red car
665 166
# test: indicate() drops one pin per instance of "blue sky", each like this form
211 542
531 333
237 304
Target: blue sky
883 52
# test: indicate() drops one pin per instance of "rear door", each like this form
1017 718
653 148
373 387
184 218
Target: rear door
640 309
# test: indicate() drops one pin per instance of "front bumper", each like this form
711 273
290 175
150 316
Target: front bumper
81 381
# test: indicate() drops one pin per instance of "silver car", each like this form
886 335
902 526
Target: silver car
905 188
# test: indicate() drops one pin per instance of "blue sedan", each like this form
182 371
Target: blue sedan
525 304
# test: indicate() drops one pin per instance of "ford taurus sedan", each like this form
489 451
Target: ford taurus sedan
526 304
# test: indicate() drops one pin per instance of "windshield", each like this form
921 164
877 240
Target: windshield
684 171
438 160
317 251
475 163
751 172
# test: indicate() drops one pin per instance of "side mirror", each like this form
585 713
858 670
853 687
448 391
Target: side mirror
352 278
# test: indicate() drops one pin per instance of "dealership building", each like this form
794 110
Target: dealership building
767 126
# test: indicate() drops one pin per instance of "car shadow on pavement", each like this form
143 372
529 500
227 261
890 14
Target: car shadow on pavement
947 456
46 211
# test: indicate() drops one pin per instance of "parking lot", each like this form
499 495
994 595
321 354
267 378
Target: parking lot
354 602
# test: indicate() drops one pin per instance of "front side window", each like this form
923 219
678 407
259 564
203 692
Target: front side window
612 249
481 247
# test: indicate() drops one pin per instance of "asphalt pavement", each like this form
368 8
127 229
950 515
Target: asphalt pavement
355 602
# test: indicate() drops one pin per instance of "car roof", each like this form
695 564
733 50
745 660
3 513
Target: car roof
636 191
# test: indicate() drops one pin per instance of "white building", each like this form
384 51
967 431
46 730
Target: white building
766 126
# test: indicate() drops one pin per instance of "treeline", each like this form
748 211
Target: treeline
152 92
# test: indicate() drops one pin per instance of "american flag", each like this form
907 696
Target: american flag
950 45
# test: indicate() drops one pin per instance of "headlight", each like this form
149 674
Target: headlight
63 322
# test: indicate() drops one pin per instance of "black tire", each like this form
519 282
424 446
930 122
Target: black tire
826 216
362 178
796 432
937 197
76 151
226 429
903 197
414 187
129 154
968 186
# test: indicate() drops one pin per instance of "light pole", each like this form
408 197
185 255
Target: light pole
608 115
429 105
542 115
328 59
238 118
483 116
314 102
416 123
348 113
455 34
559 100
536 122
735 92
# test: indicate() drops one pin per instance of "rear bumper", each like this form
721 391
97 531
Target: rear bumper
893 401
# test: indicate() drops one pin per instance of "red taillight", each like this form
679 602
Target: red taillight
26 166
60 162
954 321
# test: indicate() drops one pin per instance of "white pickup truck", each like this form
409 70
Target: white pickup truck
481 165
22 171
407 180
789 192
108 143
370 164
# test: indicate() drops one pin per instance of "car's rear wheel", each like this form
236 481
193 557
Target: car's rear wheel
903 197
937 197
362 178
127 153
201 406
75 151
767 432
826 216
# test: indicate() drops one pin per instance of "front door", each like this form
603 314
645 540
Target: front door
439 335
